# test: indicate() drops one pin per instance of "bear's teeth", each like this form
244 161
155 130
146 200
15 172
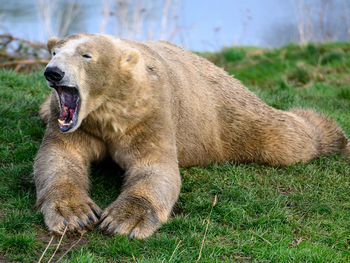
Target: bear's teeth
62 123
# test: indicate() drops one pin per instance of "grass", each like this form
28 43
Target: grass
263 214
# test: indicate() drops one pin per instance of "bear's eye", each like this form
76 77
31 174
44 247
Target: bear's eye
87 56
53 53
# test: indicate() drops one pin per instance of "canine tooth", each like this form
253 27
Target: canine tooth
65 124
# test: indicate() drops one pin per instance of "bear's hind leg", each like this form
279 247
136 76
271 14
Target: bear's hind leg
299 136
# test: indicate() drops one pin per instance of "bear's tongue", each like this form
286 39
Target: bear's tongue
66 114
68 104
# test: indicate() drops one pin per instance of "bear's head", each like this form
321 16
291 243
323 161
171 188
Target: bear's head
84 72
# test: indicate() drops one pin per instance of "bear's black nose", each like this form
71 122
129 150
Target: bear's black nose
53 74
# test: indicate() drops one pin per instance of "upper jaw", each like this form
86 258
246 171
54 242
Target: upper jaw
69 100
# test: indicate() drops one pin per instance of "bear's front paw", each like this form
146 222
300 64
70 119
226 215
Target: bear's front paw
76 213
134 216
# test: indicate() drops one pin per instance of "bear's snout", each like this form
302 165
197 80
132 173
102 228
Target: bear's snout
53 74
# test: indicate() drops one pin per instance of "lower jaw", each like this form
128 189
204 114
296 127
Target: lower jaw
65 127
70 124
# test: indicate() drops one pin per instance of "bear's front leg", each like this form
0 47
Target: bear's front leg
61 179
148 196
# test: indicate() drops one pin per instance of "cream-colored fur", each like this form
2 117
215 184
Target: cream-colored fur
154 107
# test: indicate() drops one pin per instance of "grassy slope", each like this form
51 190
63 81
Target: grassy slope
261 214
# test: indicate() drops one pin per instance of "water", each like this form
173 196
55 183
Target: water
202 25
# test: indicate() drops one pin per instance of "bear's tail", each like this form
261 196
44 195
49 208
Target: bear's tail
330 137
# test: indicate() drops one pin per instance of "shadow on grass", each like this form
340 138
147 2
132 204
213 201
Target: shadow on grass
106 181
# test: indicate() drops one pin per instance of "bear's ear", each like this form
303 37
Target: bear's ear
129 59
51 43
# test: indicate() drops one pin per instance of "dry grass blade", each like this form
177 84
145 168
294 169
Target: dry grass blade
133 258
71 247
206 229
43 254
268 242
177 246
296 242
58 245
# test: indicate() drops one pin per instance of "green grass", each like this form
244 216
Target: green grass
261 214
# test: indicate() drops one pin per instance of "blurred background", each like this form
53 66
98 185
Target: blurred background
199 25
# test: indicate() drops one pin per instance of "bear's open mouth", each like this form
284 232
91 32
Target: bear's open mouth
69 100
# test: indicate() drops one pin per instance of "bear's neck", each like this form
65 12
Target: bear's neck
114 119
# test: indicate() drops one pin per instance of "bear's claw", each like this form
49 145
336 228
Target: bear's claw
125 217
60 215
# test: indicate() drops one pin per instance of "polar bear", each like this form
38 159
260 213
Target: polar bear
153 107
